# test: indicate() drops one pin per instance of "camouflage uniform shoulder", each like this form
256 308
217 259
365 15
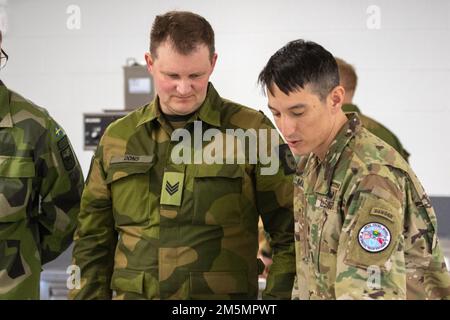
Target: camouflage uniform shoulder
384 133
371 165
370 123
242 116
372 151
116 136
24 109
124 127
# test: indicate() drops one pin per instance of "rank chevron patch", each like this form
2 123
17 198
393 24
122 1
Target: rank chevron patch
172 189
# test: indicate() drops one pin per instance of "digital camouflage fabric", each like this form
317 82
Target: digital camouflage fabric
364 226
153 229
378 129
40 190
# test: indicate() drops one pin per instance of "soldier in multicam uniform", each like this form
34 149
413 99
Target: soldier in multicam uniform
40 190
153 228
349 80
364 227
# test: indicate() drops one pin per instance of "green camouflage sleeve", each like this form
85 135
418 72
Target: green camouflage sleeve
275 204
426 270
95 237
388 246
61 185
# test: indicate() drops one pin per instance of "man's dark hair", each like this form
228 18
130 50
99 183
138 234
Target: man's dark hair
185 30
300 63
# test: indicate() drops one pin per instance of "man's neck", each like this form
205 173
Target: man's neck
339 122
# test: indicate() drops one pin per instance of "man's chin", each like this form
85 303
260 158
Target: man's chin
300 151
183 110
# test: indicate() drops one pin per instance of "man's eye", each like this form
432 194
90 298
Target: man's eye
194 76
297 114
276 114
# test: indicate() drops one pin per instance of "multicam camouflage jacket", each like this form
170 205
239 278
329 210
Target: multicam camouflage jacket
150 228
40 190
378 129
364 227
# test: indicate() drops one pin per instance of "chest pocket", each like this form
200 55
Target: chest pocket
217 194
129 183
325 228
16 178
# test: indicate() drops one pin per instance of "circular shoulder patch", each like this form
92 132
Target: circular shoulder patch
374 237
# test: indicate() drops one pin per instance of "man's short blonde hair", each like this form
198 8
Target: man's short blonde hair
347 75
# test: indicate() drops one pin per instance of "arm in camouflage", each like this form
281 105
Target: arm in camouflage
412 265
274 199
94 255
40 188
60 192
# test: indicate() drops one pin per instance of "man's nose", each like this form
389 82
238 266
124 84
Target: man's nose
184 87
287 127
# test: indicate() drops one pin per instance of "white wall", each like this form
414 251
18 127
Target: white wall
404 67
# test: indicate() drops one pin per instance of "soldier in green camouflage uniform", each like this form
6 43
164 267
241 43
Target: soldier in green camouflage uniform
349 80
153 228
364 226
40 190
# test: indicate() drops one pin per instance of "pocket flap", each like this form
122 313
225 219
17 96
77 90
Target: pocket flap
128 280
120 167
225 282
16 167
219 170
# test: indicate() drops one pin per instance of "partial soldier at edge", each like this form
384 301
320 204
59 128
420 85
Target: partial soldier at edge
349 80
40 190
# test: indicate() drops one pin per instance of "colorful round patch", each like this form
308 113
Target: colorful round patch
374 237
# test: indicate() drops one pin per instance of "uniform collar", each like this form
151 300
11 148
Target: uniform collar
5 109
347 132
208 112
349 107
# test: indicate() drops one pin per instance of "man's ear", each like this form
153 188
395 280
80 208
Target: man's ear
149 59
336 98
213 61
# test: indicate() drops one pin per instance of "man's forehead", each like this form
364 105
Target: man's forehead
298 99
170 46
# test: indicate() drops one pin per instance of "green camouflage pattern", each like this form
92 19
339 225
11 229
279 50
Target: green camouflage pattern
378 129
40 190
364 180
134 243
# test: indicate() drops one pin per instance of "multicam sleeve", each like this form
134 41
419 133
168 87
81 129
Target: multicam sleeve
371 248
388 248
426 270
61 185
274 196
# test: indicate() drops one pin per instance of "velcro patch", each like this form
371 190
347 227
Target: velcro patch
68 158
172 188
59 132
382 213
63 143
129 158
